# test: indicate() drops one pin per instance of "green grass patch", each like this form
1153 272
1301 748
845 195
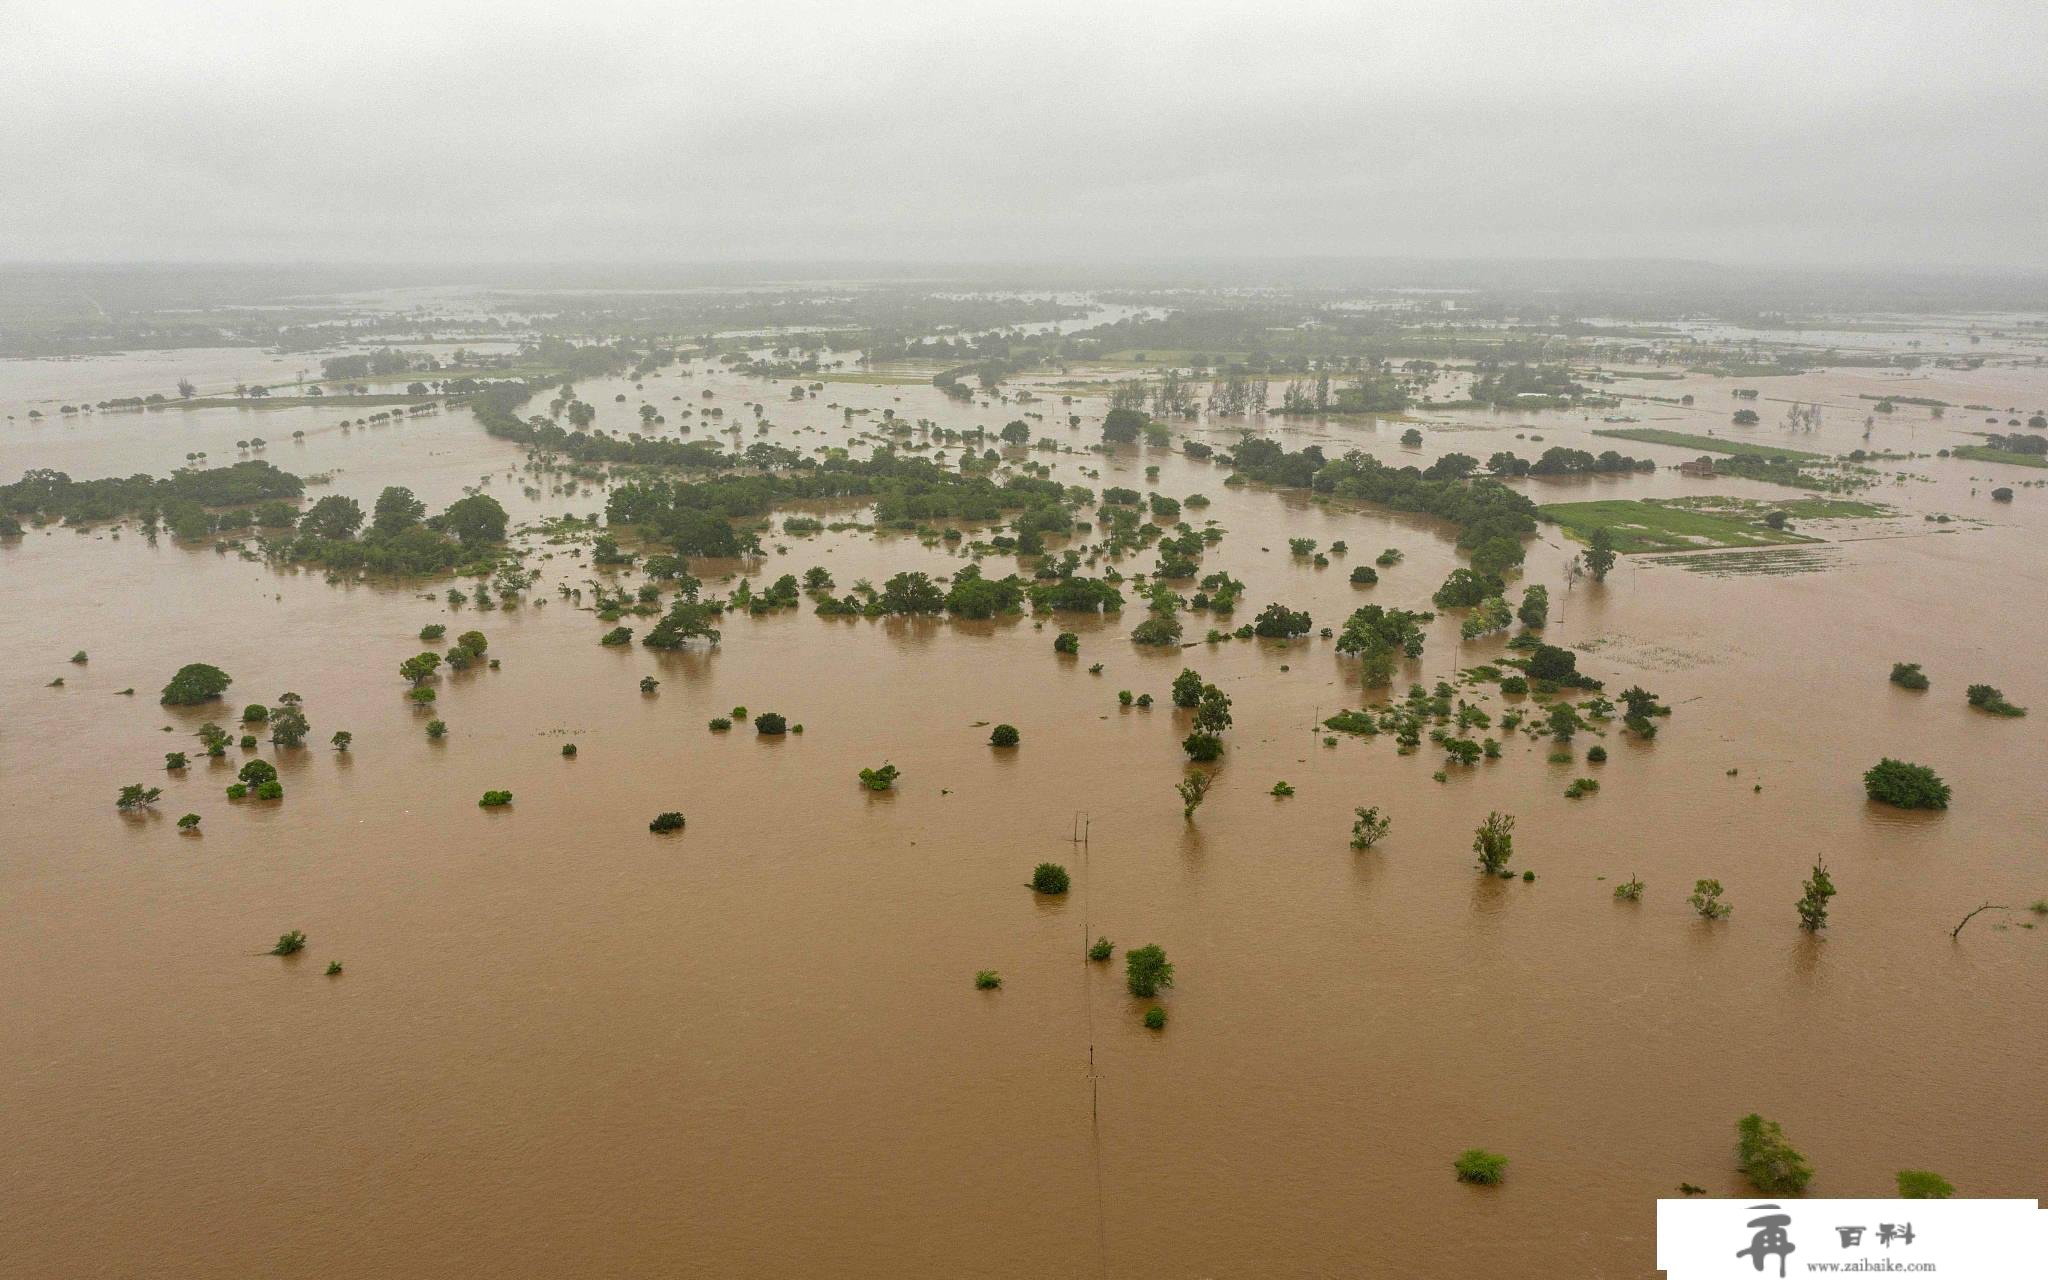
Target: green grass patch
1650 525
1710 444
1981 453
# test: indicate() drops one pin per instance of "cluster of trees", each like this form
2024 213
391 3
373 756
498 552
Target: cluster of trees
1559 461
182 501
1379 637
400 538
1492 519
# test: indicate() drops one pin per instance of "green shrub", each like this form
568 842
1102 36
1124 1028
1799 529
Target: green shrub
1066 642
1481 1166
1905 786
289 944
1050 877
1632 891
255 713
495 799
437 728
432 631
1986 698
1003 735
1596 755
719 724
616 637
1919 1184
1767 1160
1368 828
1907 675
1201 747
670 821
271 790
770 723
1155 1018
237 790
880 779
1146 970
1581 787
987 980
568 748
1101 950
1494 842
188 822
194 684
334 968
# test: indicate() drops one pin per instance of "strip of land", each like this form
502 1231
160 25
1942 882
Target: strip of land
1710 444
1652 525
1983 453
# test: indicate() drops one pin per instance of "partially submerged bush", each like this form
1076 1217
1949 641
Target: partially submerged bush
670 821
771 723
880 779
1155 1018
289 944
1102 949
1478 1165
1985 697
1767 1160
1706 899
1494 841
987 980
1905 785
1920 1184
1003 735
194 684
1907 675
1146 970
1050 877
495 799
1369 827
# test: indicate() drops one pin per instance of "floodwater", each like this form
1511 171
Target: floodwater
564 1046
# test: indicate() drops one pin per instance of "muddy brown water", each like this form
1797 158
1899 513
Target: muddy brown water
565 1046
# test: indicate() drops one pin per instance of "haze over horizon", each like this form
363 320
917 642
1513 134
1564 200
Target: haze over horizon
1831 135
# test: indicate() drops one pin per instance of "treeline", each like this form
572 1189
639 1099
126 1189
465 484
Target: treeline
1560 461
401 538
695 516
496 407
1488 514
44 495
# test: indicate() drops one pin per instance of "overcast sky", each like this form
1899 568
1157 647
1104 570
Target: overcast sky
1801 131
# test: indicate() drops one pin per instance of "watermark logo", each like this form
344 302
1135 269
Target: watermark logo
1701 1239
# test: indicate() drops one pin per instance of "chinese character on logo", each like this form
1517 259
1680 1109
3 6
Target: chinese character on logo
1851 1236
1887 1232
1770 1239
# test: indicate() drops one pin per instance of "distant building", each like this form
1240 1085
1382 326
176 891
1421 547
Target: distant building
1697 467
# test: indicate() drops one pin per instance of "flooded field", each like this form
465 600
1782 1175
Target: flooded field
563 1045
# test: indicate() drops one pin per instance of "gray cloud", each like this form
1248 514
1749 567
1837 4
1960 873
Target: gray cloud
1819 132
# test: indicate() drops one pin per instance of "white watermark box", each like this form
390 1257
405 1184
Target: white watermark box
1701 1239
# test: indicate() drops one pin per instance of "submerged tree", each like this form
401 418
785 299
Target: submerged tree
1706 899
1767 1160
1494 842
1905 785
1599 554
194 684
1146 970
1369 827
1813 904
1193 789
1050 878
